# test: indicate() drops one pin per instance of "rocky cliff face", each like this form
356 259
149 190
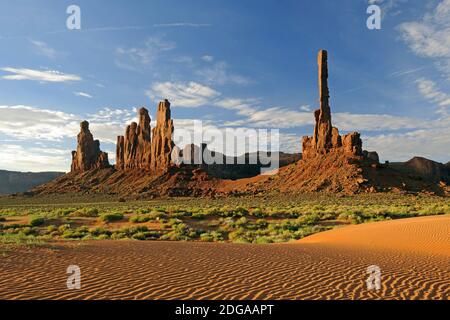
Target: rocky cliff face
88 154
139 149
326 138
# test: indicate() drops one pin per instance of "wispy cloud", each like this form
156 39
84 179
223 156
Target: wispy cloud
188 94
37 75
430 91
44 49
182 24
405 72
136 58
18 157
83 94
27 122
430 36
403 146
208 58
388 7
219 73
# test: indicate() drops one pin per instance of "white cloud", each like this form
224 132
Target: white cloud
36 75
138 57
306 108
218 73
208 58
431 92
430 36
375 122
44 49
83 94
189 94
18 158
25 122
430 143
388 7
181 24
32 123
284 118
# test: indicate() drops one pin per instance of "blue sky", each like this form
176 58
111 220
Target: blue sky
230 63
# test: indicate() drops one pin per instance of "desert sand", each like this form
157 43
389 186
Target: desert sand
413 254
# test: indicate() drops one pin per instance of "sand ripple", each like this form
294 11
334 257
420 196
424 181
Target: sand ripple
413 254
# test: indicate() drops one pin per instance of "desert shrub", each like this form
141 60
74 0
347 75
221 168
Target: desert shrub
139 219
198 215
64 227
213 236
263 240
152 235
85 212
139 236
27 231
97 232
257 212
62 212
52 228
309 219
118 235
36 221
102 237
156 215
111 217
70 234
129 232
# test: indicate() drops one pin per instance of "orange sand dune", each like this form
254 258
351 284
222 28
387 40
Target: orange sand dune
413 254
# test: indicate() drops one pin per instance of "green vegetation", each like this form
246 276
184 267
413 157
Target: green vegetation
37 221
110 217
258 220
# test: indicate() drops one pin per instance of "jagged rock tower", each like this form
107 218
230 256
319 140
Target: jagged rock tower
326 138
133 149
88 154
138 149
162 144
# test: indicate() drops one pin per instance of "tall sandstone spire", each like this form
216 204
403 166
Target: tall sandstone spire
88 154
162 144
323 129
133 149
326 138
139 149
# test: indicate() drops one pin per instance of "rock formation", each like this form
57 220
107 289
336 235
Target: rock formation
326 138
139 149
133 149
88 154
162 144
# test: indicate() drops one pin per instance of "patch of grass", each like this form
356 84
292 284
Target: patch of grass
85 212
20 239
111 217
36 221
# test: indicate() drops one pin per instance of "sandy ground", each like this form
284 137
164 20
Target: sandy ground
413 254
